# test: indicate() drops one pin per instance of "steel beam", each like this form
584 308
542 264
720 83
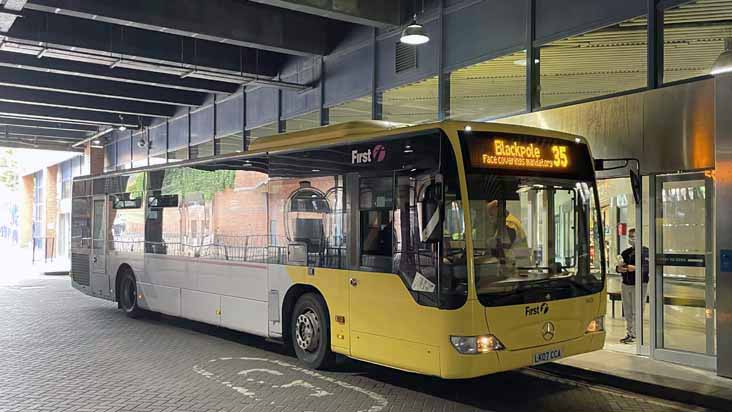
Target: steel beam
104 39
655 45
34 132
234 22
101 72
46 125
68 115
7 20
40 145
375 13
100 88
91 103
16 5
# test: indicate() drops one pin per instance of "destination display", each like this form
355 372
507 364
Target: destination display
528 153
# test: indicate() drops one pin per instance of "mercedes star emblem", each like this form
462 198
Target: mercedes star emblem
548 331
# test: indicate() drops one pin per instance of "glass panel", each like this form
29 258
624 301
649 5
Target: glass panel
110 157
693 36
303 122
683 264
202 150
263 131
127 222
80 223
598 63
376 201
529 235
233 143
489 89
177 155
619 218
412 103
98 225
158 159
358 109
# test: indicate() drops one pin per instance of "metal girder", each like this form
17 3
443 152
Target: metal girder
375 13
155 47
226 21
91 103
117 74
41 144
46 125
67 115
7 20
33 132
99 88
15 5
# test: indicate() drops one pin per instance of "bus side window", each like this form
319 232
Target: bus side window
376 201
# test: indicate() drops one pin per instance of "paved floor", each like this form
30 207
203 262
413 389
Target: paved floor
63 351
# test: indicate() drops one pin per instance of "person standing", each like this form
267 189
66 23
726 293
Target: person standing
627 270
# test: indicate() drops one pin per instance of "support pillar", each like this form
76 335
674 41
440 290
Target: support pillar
93 160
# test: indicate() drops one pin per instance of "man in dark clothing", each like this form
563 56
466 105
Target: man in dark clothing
627 270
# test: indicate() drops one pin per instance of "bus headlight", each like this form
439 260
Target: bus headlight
476 344
597 325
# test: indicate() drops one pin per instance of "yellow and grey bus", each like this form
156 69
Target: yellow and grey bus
452 249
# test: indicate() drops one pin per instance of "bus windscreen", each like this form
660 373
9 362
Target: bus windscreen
530 155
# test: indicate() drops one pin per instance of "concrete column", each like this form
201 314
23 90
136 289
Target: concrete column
26 211
93 160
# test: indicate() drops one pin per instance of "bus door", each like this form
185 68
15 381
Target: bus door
99 277
387 325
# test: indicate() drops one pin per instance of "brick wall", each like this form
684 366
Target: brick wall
93 160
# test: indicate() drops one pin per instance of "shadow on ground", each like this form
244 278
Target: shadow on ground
506 391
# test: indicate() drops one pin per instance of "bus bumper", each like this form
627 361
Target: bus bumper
458 366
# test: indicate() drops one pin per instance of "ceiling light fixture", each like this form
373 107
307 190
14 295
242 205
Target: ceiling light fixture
414 34
723 64
121 126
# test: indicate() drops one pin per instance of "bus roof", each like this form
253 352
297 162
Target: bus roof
350 131
364 129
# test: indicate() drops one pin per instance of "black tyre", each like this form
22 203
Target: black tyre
310 332
128 295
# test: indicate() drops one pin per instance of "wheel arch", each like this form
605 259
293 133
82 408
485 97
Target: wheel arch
288 305
123 268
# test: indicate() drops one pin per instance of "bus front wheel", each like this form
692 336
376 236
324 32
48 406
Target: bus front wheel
310 332
128 295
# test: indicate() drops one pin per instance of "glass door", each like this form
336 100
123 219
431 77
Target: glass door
625 226
684 269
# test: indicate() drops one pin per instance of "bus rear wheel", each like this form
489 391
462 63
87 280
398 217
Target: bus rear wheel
128 295
310 332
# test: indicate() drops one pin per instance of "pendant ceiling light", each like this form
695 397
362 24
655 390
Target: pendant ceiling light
414 34
723 64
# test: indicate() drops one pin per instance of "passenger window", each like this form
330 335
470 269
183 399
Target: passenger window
127 221
376 201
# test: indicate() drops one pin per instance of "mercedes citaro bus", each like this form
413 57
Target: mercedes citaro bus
452 249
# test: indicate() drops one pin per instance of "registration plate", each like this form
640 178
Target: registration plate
547 356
